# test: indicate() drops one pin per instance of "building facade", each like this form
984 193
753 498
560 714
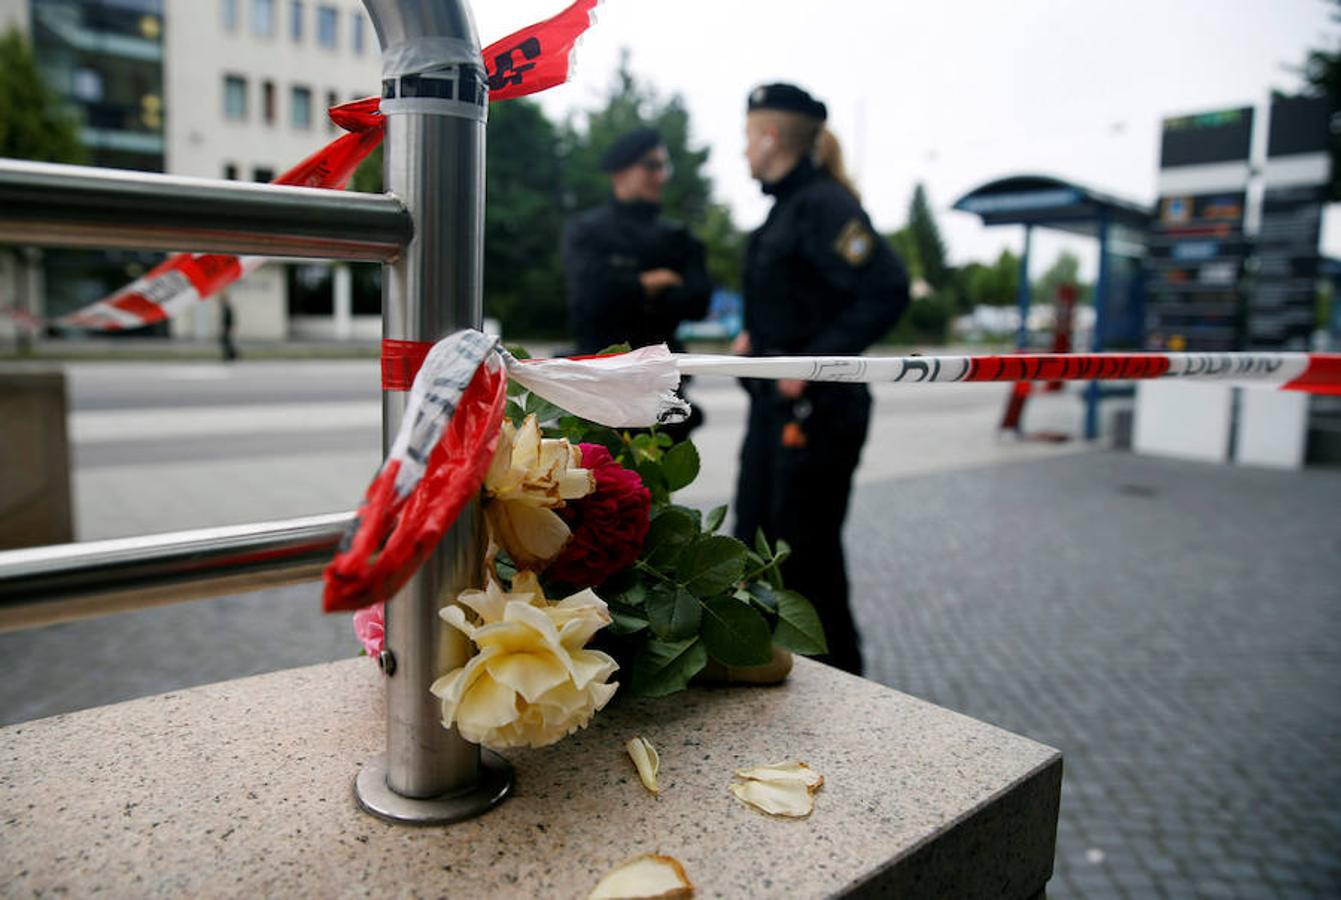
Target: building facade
233 89
248 83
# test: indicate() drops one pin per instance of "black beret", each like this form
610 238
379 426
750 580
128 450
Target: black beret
629 148
788 98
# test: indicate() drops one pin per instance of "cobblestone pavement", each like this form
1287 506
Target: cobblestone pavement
1173 628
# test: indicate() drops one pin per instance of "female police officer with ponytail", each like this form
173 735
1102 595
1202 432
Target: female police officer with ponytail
818 281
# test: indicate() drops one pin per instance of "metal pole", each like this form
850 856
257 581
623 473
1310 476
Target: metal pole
46 204
1022 292
435 165
1097 339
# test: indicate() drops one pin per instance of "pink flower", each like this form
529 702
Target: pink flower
369 628
609 525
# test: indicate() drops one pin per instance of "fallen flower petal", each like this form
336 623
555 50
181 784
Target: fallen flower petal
794 770
647 761
777 798
649 875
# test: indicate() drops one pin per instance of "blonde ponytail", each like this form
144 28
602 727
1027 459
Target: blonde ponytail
828 155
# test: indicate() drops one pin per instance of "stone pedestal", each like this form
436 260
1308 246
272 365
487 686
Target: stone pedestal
244 788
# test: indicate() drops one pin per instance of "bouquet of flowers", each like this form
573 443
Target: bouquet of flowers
585 512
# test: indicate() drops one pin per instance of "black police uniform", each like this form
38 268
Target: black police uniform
818 281
604 251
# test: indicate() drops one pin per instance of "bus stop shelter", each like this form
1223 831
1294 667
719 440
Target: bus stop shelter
1119 225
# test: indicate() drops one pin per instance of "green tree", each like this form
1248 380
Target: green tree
1322 74
34 124
1065 270
905 245
523 282
926 237
630 104
522 219
725 245
996 284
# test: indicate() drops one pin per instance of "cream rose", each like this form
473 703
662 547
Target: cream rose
532 682
527 480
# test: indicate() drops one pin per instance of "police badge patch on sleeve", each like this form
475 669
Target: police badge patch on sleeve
854 243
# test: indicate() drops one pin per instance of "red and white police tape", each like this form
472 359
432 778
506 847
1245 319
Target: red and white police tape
529 60
458 388
447 438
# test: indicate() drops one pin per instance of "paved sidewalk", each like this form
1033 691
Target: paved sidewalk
1173 628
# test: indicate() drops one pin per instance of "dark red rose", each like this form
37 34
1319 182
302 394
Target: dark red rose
609 525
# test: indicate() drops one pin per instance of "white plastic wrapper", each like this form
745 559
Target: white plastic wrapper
630 390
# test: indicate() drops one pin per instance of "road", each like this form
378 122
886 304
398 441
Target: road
152 443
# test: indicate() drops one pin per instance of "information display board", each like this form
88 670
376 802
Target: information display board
1281 311
1197 244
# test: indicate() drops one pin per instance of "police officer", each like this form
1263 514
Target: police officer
632 276
818 281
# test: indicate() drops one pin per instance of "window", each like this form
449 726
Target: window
300 107
328 23
228 12
88 85
296 20
263 174
356 32
332 99
263 18
268 102
230 171
235 97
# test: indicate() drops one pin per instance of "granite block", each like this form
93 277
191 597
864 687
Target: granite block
245 787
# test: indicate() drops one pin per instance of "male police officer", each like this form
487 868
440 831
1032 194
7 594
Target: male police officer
632 276
818 281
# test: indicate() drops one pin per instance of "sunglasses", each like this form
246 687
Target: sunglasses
658 165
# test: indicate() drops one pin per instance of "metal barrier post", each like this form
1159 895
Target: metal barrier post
435 102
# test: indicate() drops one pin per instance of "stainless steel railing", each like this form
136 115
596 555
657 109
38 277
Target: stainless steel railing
75 206
45 585
429 232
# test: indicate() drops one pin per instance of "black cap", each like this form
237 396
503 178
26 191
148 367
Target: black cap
628 148
787 98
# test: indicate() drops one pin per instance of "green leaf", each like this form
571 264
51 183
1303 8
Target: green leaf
799 627
645 449
654 480
691 512
673 612
715 519
711 565
781 551
515 388
518 351
664 667
761 545
681 465
614 349
514 412
763 595
664 440
542 409
625 588
626 619
735 634
672 530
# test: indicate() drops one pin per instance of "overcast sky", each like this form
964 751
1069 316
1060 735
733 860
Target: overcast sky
952 93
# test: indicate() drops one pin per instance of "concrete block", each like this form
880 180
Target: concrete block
34 459
1272 428
245 788
1185 421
